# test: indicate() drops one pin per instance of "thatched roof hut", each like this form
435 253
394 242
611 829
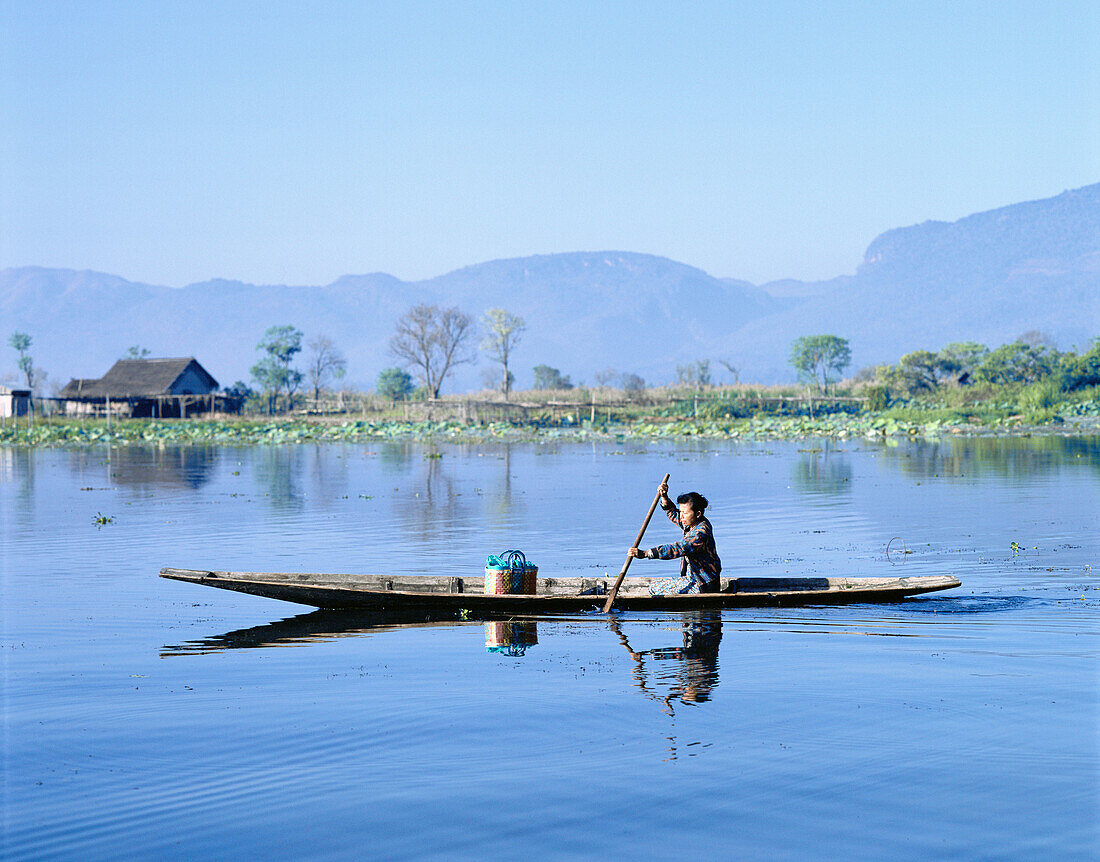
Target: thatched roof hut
144 378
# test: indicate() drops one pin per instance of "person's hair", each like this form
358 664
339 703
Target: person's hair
698 501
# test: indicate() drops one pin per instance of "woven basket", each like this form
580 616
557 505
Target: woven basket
501 582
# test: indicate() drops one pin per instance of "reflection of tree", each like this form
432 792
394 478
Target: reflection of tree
151 466
501 500
329 472
1006 457
693 673
278 471
17 465
395 456
822 472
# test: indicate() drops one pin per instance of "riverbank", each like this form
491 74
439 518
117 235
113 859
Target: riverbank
1082 420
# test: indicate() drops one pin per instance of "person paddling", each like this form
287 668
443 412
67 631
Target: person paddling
700 567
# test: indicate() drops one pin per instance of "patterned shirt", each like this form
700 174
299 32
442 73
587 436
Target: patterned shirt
697 549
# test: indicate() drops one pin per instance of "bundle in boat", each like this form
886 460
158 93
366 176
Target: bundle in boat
509 573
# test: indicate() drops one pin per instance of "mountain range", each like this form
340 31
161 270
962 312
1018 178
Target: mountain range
988 277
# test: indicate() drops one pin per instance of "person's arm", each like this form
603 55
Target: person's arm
692 542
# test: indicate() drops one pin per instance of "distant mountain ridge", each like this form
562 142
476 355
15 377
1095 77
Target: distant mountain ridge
987 277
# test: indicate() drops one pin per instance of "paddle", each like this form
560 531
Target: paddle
619 580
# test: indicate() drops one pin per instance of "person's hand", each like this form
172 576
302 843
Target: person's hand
662 489
637 553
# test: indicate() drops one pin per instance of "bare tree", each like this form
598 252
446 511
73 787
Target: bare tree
502 333
732 369
325 363
606 377
433 341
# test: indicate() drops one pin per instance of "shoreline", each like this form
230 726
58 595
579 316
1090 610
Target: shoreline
69 432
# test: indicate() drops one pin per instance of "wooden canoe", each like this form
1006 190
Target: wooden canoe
427 593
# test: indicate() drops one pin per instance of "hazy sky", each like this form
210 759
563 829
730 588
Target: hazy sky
294 142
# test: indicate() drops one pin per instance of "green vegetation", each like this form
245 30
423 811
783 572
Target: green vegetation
727 417
394 384
550 378
273 372
1025 387
818 358
21 343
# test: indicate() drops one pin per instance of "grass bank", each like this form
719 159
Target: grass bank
1079 415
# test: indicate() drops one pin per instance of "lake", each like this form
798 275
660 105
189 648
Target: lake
146 718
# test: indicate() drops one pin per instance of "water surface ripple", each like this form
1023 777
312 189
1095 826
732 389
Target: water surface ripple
145 718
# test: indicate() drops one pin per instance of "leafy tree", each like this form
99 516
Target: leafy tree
695 374
923 369
273 372
633 383
550 378
433 341
606 377
1077 372
135 352
325 363
815 356
502 333
967 355
240 389
1017 362
394 384
21 342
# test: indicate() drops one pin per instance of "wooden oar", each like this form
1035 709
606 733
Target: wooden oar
619 580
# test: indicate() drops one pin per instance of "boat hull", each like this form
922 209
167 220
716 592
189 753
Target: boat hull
555 595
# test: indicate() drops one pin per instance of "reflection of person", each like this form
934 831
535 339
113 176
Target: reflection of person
700 568
696 670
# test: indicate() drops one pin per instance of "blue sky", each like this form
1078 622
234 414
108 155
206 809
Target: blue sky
292 143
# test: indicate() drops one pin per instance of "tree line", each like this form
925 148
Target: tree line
431 342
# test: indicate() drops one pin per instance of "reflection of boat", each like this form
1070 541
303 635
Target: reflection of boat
314 627
427 593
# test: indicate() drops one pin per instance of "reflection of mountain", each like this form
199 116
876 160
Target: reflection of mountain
149 466
1004 457
687 673
309 628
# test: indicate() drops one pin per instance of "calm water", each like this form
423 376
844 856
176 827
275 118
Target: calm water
146 718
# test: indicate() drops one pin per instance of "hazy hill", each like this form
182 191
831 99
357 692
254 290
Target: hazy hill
987 277
585 312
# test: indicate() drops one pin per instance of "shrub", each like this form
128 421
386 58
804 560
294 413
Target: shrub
394 384
878 398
